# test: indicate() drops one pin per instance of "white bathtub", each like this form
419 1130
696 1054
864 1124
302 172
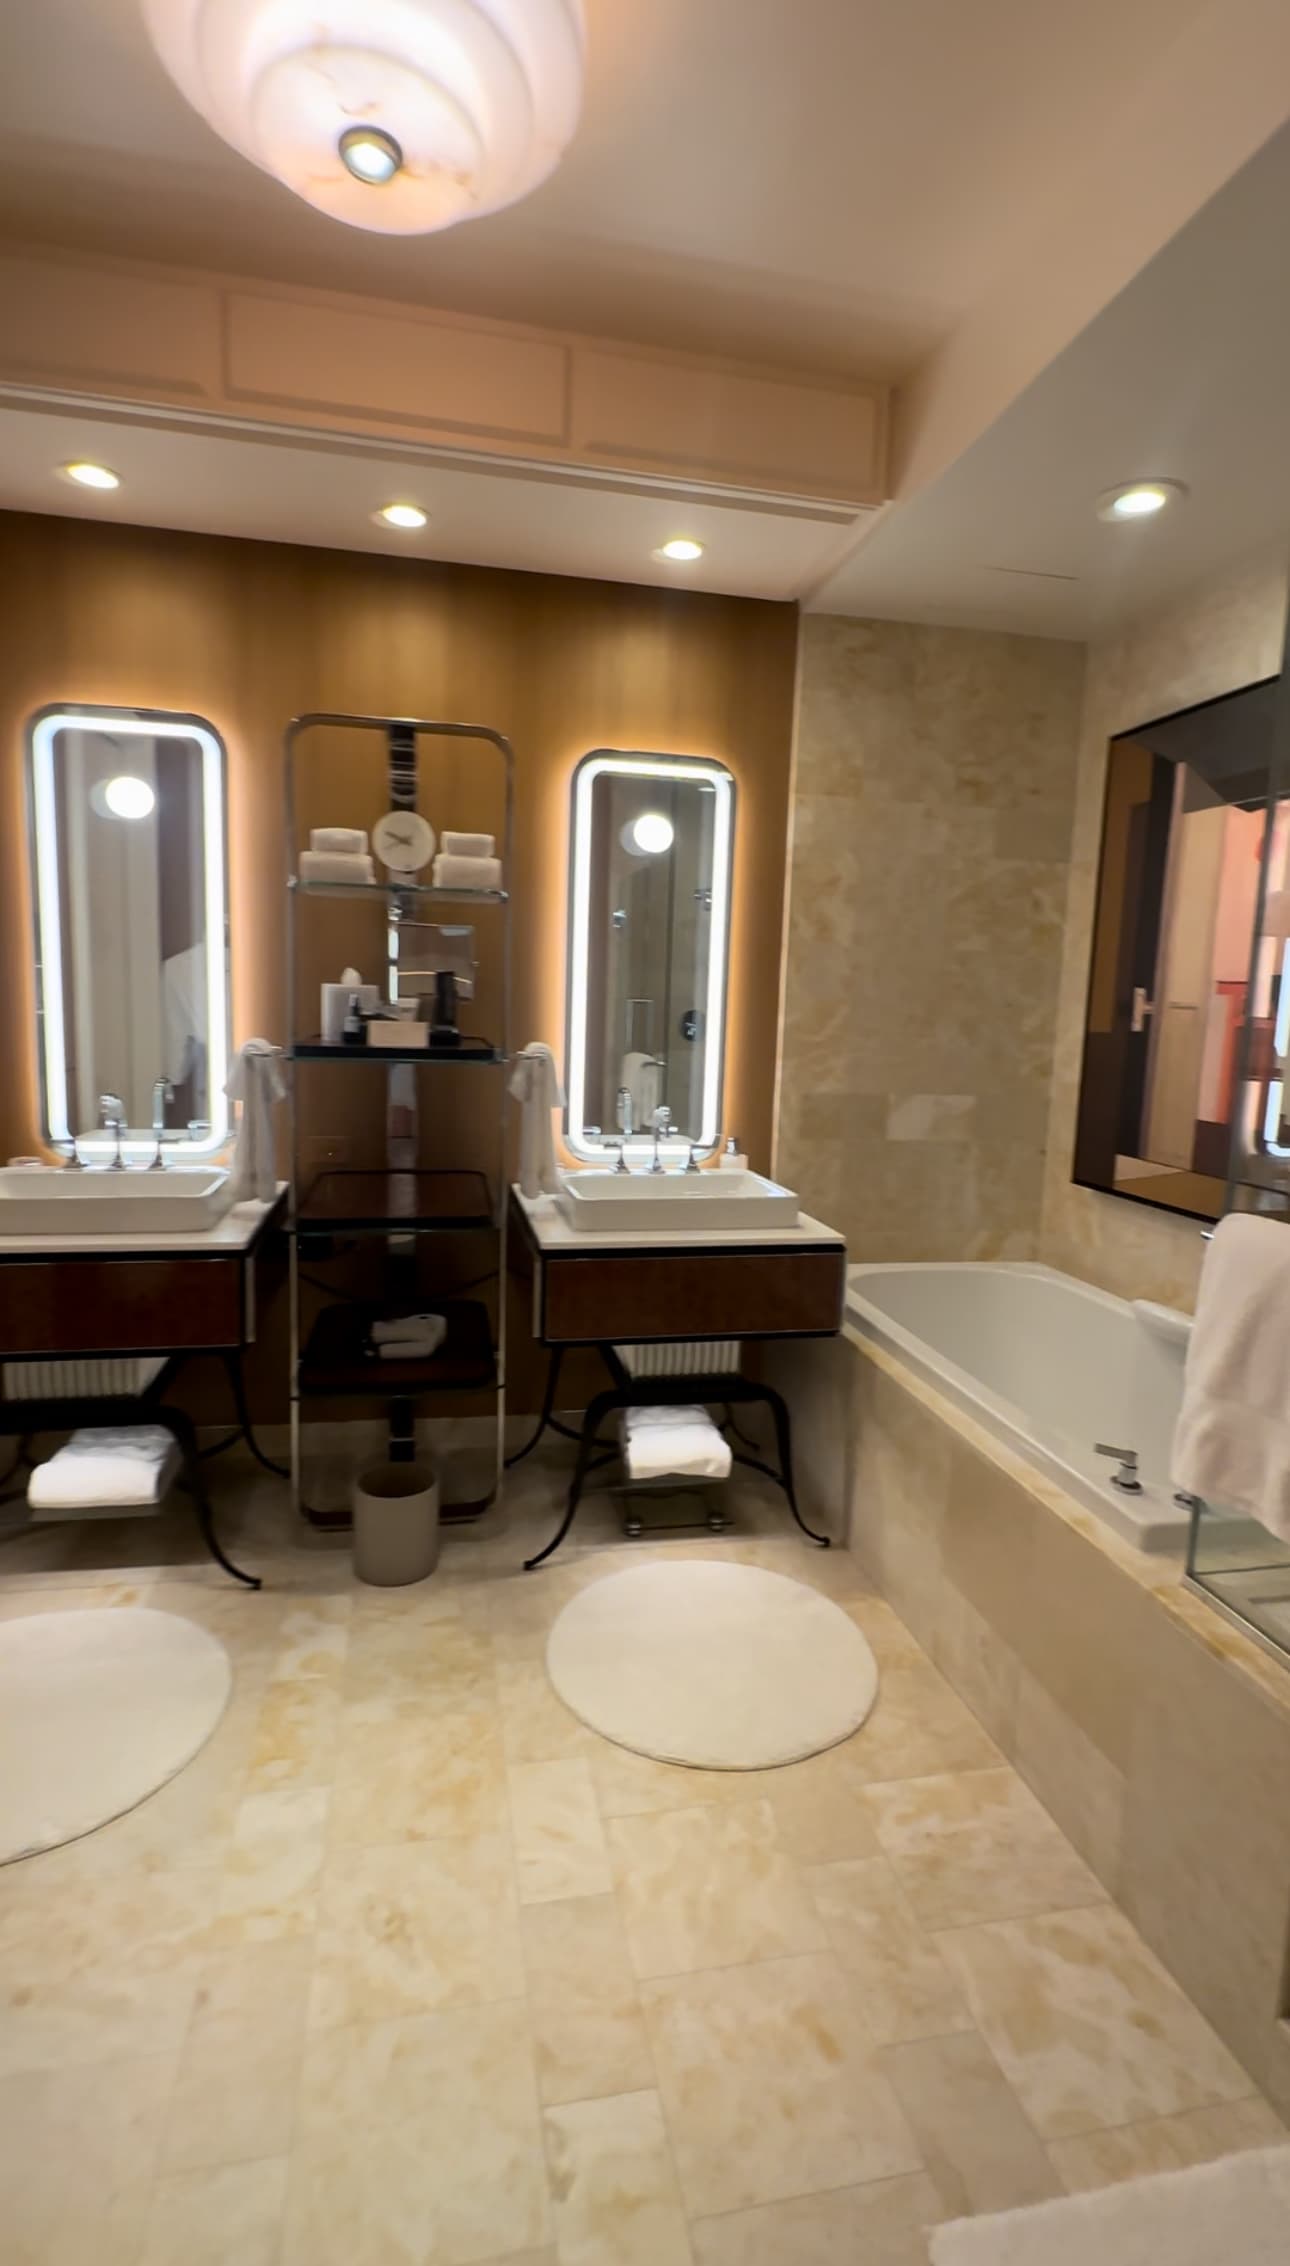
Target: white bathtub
1048 1364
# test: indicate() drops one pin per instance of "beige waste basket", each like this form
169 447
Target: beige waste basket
396 1523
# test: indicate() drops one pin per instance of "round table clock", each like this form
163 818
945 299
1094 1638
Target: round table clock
403 841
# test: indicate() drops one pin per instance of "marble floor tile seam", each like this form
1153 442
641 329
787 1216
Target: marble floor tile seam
1125 2128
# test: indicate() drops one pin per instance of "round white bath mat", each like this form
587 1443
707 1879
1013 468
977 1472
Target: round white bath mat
97 1710
722 1667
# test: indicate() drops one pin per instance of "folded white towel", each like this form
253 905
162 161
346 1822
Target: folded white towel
335 865
1232 1444
348 841
535 1084
682 1443
117 1466
467 845
467 873
428 1330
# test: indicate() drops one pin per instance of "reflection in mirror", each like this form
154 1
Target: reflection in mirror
1171 1070
127 829
649 921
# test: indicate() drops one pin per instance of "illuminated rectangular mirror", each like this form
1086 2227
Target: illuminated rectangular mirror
649 936
130 889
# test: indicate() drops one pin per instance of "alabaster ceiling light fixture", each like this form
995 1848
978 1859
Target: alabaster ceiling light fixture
402 116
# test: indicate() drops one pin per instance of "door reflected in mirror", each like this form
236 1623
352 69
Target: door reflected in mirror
649 922
1177 1059
127 822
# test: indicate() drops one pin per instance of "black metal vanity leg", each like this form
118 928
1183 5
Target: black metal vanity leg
232 1359
596 1409
784 1450
181 1426
554 1366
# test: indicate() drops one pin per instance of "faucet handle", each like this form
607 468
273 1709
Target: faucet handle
1126 1478
111 1109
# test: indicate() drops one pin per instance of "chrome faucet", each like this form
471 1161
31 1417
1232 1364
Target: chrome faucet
662 1127
162 1092
624 1111
692 1162
112 1116
1126 1478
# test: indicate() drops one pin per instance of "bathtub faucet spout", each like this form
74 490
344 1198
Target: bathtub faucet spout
1126 1478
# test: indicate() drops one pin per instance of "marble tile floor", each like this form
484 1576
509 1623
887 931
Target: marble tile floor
410 1969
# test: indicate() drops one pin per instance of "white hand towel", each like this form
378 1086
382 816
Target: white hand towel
535 1083
1232 1444
425 1331
255 1080
467 873
467 845
348 841
335 865
642 1076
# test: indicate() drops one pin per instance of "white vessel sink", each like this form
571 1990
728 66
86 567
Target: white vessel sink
52 1202
599 1202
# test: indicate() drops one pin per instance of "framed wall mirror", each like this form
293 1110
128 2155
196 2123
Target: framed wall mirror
649 938
1179 1074
130 888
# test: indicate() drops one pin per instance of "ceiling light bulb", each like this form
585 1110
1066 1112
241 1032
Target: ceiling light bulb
478 99
650 834
90 475
1138 499
370 154
680 547
127 796
400 515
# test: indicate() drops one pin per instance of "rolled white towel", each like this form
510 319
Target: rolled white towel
335 865
348 841
429 1329
468 845
665 1443
119 1466
467 873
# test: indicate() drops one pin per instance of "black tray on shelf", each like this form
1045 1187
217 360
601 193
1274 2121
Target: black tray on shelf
349 1196
336 1360
329 1050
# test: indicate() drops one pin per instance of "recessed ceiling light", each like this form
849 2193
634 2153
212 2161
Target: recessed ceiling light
681 547
400 515
89 475
370 154
128 796
1138 499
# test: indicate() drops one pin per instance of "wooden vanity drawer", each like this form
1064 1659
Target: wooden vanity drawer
631 1297
115 1305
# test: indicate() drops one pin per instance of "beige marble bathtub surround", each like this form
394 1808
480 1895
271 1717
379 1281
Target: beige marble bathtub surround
1206 1876
1214 639
1085 2024
898 1487
771 2084
932 802
1078 1787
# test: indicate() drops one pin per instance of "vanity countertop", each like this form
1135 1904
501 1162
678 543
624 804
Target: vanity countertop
234 1234
553 1234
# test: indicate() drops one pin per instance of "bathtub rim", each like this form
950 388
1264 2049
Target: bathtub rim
999 1419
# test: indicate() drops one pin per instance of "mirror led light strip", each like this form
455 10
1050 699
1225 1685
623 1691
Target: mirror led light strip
704 774
49 910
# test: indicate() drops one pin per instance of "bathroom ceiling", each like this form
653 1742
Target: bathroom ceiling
827 185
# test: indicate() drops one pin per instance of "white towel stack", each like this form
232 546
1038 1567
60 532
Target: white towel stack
468 845
341 841
454 872
336 865
408 1337
106 1468
673 1443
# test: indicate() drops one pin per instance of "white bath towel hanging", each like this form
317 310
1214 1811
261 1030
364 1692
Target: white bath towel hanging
256 1080
1232 1444
535 1084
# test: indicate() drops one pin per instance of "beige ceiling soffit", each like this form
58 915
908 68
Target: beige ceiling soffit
1217 93
331 363
862 527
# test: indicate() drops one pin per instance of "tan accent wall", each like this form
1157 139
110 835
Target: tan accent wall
248 634
932 800
1210 642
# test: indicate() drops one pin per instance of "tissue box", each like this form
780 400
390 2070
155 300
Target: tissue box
400 1032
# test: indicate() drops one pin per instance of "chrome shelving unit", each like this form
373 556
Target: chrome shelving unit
394 1202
